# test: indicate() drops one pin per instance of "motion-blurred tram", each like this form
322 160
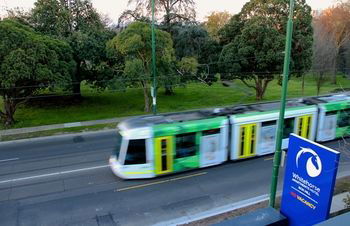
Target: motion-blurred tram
150 146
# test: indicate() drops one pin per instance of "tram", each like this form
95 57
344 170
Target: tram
151 146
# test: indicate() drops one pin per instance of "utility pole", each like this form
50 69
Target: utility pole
277 157
154 67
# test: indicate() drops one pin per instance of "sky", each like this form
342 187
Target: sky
113 8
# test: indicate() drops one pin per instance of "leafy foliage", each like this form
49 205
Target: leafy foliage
255 39
194 41
324 54
77 22
335 22
172 11
28 62
216 21
134 44
255 55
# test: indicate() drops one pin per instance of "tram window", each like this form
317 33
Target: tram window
288 127
268 123
185 145
118 144
331 113
210 132
136 153
344 118
242 140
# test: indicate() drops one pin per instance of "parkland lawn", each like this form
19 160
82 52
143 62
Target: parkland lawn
110 104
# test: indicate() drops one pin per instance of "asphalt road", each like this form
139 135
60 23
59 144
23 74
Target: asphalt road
66 181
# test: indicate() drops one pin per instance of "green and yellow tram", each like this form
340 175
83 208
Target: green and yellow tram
150 146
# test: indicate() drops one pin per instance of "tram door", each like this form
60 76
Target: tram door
247 142
304 126
163 155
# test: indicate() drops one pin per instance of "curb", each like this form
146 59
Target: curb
56 137
226 208
216 211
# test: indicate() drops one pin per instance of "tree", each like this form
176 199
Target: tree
77 22
189 40
171 10
336 22
216 21
29 62
230 30
255 55
187 67
194 41
19 15
134 44
255 39
324 53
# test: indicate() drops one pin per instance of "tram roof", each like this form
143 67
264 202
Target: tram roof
148 121
328 98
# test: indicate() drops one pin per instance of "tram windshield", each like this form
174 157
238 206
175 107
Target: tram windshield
136 153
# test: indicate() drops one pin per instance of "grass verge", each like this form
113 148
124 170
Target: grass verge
111 104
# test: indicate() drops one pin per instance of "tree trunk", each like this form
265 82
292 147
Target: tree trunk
169 90
147 107
334 80
77 90
77 82
303 85
260 88
319 83
8 116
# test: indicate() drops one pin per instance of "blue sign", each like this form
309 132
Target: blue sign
309 179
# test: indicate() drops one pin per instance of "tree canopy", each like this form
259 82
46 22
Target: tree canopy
171 11
77 22
215 21
255 40
134 44
29 61
194 41
335 21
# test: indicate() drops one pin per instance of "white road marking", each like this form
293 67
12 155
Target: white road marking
52 174
8 160
267 159
161 182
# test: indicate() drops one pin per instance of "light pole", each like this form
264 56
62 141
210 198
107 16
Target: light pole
154 69
277 157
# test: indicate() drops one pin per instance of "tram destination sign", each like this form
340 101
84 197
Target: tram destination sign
308 181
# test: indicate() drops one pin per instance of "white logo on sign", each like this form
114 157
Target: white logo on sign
313 164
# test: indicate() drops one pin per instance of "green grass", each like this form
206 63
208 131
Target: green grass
103 105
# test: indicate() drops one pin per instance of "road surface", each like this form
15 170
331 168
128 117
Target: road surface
66 181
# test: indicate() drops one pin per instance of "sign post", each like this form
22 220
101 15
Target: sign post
308 181
287 54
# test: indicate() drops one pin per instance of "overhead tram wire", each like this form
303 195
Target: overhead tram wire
49 85
149 77
177 85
